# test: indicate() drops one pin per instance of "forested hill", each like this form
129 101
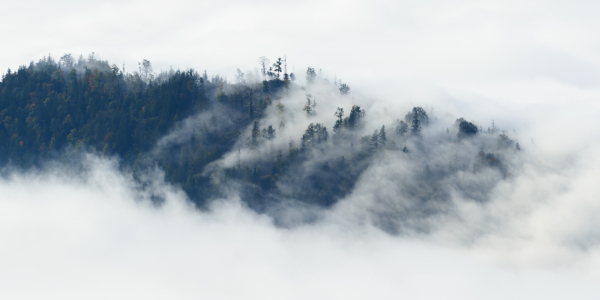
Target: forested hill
44 107
211 136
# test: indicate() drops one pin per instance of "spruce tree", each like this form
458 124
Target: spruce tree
270 133
355 118
344 89
415 129
310 75
374 143
382 136
254 139
338 123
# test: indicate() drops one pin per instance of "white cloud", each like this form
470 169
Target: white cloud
97 236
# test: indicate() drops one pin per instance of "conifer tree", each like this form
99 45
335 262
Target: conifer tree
277 67
382 136
344 89
415 128
254 139
338 123
374 141
355 118
270 133
310 75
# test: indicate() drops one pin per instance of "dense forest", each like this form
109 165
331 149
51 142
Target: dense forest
212 137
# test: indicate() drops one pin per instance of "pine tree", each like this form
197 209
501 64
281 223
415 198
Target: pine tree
322 134
277 67
308 136
314 134
337 128
382 136
415 129
309 107
310 75
264 133
254 139
355 118
419 113
374 141
344 89
270 133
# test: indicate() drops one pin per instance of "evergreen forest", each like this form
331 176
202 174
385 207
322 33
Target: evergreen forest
269 139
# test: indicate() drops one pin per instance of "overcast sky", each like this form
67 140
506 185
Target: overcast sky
533 66
506 49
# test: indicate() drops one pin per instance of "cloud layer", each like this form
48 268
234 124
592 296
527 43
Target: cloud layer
99 236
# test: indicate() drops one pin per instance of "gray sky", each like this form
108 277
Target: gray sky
514 50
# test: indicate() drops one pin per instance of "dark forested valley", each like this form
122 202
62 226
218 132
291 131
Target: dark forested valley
270 140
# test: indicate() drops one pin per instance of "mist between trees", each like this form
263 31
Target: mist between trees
278 140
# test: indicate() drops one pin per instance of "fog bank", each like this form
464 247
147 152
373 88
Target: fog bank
100 236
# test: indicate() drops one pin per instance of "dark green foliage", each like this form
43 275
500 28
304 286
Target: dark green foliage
310 75
355 120
466 128
49 110
374 141
344 89
504 141
254 139
489 160
315 134
415 128
44 108
270 133
337 127
418 113
309 107
417 117
277 67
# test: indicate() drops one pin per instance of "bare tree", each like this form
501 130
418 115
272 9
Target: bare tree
239 77
146 70
67 61
263 62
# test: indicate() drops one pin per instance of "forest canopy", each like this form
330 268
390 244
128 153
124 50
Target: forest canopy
272 138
